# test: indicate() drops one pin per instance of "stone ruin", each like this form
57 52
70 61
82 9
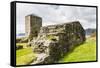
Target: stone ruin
54 41
32 26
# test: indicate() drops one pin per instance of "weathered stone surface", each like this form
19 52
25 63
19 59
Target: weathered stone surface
32 26
51 42
56 40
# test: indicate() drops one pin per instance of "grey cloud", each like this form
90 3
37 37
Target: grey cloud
53 14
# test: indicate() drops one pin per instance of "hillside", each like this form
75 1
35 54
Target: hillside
84 52
89 31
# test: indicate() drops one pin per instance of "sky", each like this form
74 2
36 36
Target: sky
55 14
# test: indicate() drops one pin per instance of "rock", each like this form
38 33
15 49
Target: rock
19 47
55 40
51 42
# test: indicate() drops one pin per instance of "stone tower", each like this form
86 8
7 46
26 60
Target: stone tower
32 26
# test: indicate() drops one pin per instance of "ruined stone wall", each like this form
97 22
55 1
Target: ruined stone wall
32 26
52 42
55 40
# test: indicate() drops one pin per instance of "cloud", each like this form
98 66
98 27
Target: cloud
55 14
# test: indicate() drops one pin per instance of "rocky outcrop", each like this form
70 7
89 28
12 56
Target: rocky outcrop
55 40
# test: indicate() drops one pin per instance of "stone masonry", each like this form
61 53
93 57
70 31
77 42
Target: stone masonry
32 26
51 42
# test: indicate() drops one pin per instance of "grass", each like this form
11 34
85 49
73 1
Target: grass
50 37
24 56
84 52
21 44
24 51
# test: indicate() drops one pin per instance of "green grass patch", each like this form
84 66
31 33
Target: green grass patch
24 51
24 56
21 44
50 37
84 52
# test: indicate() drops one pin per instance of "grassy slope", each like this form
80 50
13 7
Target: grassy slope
84 52
24 51
24 56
